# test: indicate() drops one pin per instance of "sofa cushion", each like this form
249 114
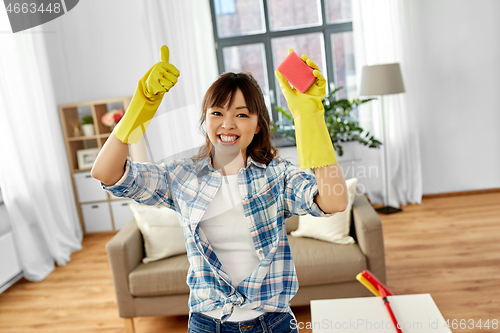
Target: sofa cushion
318 262
161 230
335 228
162 277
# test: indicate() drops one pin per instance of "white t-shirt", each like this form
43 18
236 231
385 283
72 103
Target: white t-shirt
227 229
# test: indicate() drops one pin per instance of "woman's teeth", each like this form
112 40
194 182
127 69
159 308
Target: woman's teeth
227 138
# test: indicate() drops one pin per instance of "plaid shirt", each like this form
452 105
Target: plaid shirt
270 194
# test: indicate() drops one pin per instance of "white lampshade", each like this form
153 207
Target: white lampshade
381 80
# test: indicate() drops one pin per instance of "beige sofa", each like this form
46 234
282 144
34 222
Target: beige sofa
324 270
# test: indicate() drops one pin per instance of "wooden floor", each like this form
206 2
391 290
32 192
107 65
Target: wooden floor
448 247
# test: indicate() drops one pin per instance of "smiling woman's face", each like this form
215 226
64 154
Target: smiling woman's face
233 120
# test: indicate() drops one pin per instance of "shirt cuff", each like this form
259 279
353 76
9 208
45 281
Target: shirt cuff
315 210
123 185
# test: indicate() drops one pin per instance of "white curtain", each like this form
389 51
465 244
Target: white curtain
34 174
382 34
186 28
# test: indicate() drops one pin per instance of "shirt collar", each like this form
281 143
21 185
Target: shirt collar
206 162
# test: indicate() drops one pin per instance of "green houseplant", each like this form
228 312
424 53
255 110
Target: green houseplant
88 125
341 124
87 120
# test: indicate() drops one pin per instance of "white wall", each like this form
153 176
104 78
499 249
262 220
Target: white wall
97 50
457 46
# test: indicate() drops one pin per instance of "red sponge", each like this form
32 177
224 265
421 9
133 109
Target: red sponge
296 71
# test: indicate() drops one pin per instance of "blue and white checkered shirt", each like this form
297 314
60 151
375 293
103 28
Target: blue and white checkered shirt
270 194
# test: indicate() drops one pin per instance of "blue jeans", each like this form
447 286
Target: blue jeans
270 322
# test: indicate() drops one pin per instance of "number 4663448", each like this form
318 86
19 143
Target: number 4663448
472 324
33 8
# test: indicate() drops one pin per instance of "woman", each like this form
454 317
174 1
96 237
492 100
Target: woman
233 197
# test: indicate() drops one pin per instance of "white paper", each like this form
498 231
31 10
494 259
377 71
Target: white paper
414 313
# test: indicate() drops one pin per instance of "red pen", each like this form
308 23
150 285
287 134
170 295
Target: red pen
388 306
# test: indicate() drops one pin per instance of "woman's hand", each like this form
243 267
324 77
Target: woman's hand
314 145
147 98
161 77
303 104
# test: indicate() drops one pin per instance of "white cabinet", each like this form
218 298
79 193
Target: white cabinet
97 217
98 214
88 188
122 214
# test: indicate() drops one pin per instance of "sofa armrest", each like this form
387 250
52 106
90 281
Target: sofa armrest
370 236
125 252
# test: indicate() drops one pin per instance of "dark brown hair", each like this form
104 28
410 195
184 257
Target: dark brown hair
222 91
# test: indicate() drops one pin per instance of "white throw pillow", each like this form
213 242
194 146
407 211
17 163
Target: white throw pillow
160 228
334 229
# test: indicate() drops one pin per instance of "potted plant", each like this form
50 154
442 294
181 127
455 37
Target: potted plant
341 124
88 125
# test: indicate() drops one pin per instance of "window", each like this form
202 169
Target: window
255 35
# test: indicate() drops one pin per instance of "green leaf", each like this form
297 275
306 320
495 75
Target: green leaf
284 113
342 126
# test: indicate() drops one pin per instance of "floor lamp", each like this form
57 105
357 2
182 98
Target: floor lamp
383 80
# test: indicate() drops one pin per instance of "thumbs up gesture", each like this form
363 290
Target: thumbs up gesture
161 77
147 98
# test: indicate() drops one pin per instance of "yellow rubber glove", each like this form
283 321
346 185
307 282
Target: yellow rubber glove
147 98
314 145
